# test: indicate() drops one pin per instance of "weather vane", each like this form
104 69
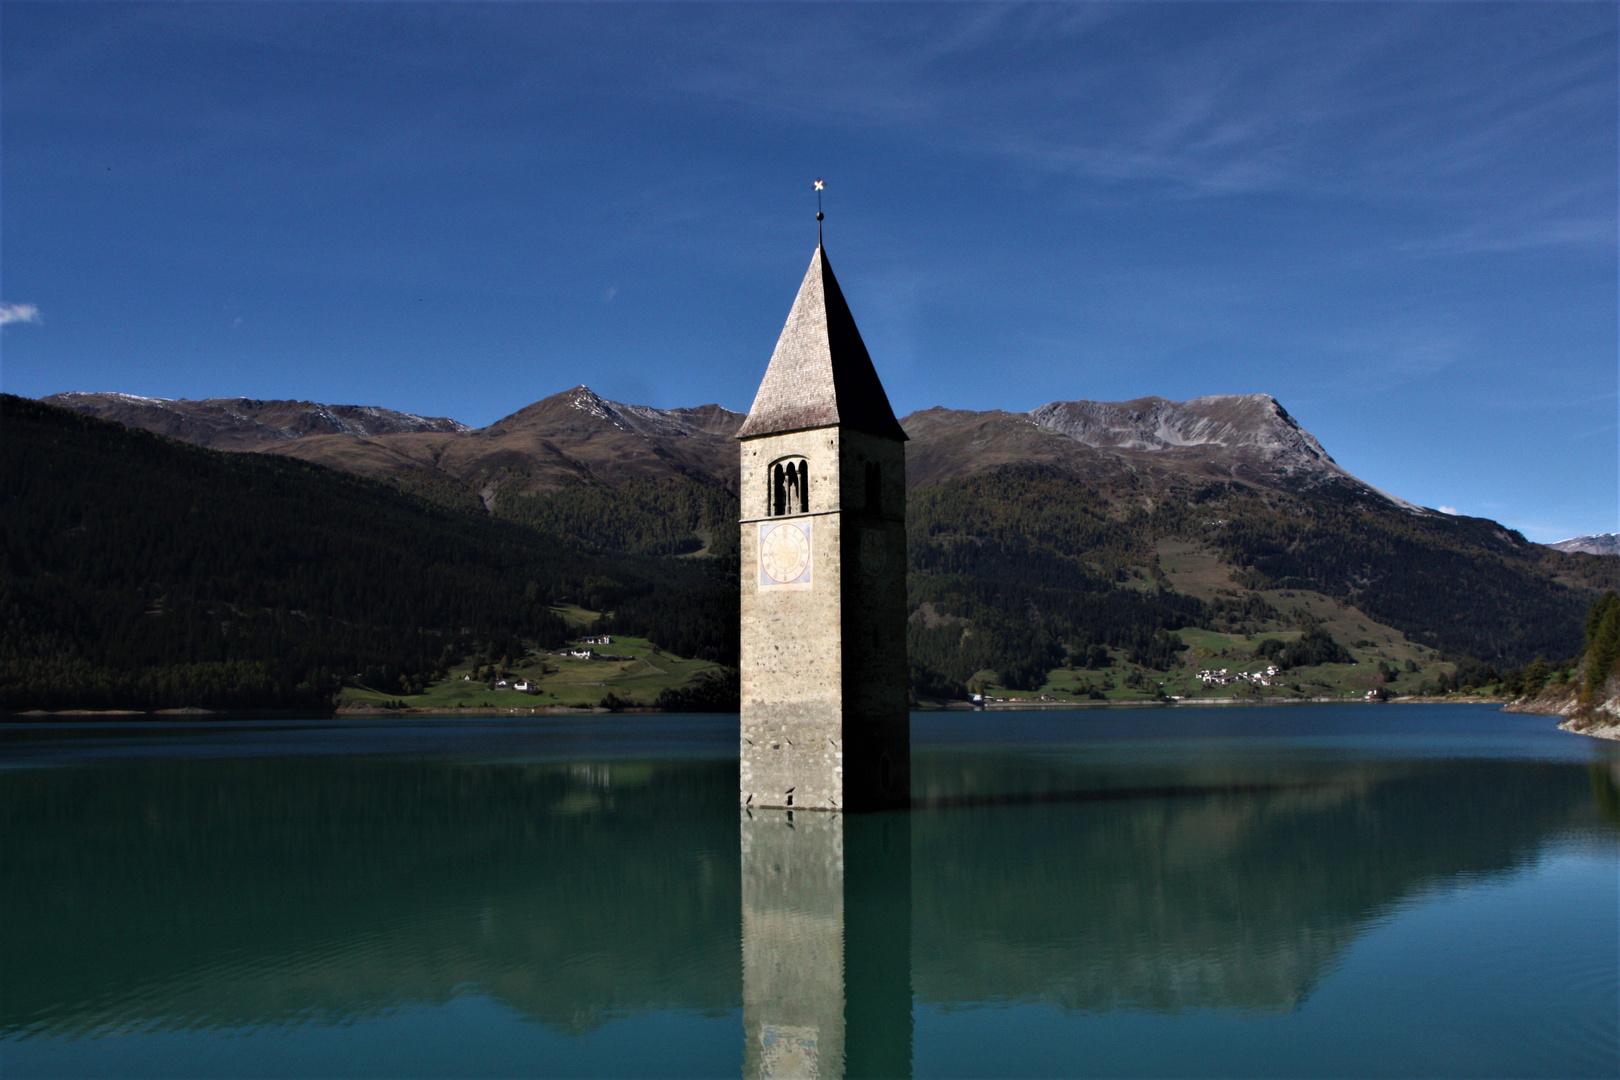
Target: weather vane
819 214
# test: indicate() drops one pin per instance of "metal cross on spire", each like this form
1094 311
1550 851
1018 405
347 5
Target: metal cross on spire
819 214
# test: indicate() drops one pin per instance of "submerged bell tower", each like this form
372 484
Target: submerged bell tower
825 702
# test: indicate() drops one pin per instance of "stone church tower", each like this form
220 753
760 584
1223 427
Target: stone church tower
825 705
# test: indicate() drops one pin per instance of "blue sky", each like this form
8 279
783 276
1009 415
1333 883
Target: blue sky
1399 220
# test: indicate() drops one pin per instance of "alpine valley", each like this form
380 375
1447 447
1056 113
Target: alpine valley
235 553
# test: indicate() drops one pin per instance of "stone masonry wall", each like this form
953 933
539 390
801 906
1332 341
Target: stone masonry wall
825 707
877 700
791 661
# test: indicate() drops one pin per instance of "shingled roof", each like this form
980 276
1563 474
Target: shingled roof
820 373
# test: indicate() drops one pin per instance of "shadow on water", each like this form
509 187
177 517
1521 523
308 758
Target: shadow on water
240 893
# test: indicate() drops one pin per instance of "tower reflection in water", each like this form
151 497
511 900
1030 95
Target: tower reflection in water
826 940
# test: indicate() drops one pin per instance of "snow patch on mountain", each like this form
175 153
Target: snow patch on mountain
643 420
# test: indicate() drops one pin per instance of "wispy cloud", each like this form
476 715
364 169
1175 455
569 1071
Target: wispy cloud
1577 215
1595 231
23 313
1452 510
1401 347
1409 103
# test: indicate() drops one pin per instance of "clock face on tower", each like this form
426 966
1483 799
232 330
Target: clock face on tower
784 553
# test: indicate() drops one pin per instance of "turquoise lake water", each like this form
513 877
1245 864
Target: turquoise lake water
1282 891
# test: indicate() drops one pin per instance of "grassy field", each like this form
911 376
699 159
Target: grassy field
575 615
643 672
1211 650
559 680
1195 570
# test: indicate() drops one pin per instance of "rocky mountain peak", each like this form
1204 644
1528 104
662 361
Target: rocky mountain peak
1253 423
584 404
1596 544
1249 438
644 420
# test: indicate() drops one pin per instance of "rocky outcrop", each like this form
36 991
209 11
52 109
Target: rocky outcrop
1253 423
1253 432
1598 715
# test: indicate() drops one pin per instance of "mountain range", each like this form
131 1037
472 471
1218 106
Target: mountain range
578 435
246 423
1075 534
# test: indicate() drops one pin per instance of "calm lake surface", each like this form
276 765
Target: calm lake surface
1283 891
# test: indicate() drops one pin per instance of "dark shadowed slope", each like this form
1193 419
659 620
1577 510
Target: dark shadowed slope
1042 531
138 571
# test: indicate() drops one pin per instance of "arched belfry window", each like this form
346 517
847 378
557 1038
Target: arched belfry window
790 487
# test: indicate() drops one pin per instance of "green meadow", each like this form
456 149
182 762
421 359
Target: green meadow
631 669
1382 662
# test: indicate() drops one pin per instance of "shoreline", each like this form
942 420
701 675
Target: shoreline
304 714
368 712
1411 699
1594 731
1599 722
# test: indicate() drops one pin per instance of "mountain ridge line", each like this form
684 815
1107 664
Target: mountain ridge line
1250 438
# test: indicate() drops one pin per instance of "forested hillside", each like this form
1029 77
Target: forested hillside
1463 585
143 572
671 516
1043 565
1031 564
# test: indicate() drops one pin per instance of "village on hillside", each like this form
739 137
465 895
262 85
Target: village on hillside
595 671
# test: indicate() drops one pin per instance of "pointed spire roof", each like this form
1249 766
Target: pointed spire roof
820 374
